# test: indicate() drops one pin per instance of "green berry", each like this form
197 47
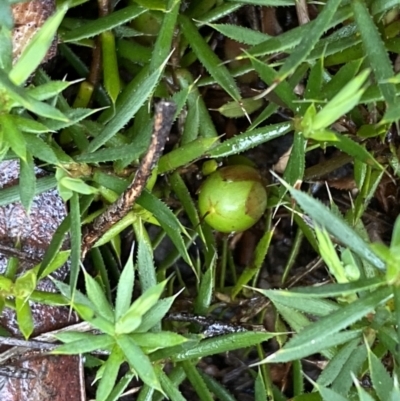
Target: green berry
232 198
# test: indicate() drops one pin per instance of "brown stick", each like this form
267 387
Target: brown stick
163 119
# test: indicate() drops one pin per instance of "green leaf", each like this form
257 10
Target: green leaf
96 294
240 34
151 342
375 49
99 25
197 381
208 58
195 99
308 41
335 365
82 346
56 263
110 373
283 90
329 255
336 226
11 194
340 79
343 383
185 154
48 90
352 148
330 395
125 288
292 38
305 304
131 151
221 393
25 285
348 97
133 317
127 105
276 3
21 98
154 316
6 17
76 185
391 115
165 35
315 79
110 65
326 330
120 388
318 345
206 290
24 317
76 236
294 170
72 117
37 48
166 353
380 6
29 125
27 182
223 344
71 336
139 361
168 221
259 387
242 108
250 139
170 388
254 268
337 290
179 187
381 380
145 262
13 136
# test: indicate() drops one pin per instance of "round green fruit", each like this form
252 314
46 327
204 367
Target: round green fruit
232 198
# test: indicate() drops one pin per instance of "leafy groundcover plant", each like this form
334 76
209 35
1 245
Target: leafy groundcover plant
302 91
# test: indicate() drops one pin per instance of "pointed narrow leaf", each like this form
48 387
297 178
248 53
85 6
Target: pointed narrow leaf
110 373
37 48
13 136
375 50
76 234
222 344
250 139
168 221
99 25
197 381
27 182
129 103
133 317
24 317
325 329
96 294
381 380
309 40
336 226
139 361
125 288
82 346
156 314
208 58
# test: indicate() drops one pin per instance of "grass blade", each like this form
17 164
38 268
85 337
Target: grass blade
208 58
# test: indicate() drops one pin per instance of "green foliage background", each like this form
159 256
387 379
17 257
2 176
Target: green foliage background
343 57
